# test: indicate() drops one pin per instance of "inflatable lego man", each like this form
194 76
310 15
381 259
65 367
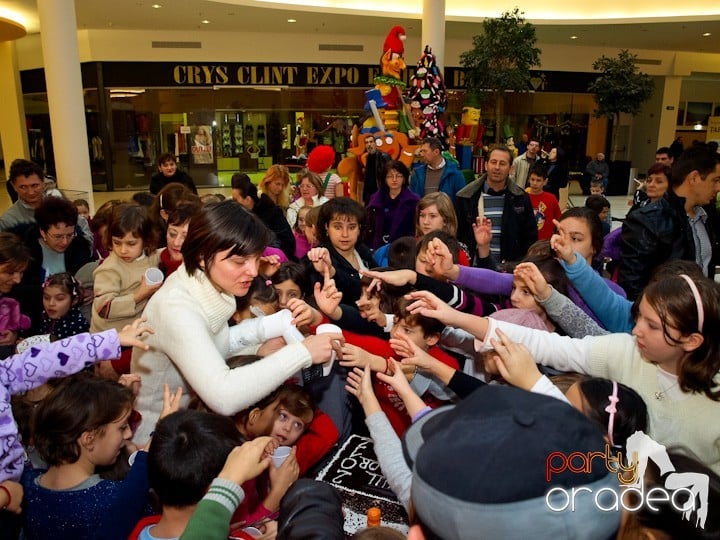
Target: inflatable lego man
392 63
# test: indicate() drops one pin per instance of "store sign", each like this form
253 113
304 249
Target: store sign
190 74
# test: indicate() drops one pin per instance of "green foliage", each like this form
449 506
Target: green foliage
620 88
502 55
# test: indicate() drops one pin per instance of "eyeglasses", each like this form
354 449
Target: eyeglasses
59 237
391 175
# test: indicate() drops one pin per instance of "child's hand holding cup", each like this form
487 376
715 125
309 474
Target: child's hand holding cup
328 329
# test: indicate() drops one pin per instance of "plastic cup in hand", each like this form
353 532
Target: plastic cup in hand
153 276
328 329
280 454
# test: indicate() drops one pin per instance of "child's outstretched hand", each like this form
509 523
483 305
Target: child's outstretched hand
441 259
562 243
411 353
303 313
396 378
515 363
354 356
359 384
130 335
391 277
131 381
534 280
171 402
249 460
427 304
328 297
482 229
320 258
269 264
15 491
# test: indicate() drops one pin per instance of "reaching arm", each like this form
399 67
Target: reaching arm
612 309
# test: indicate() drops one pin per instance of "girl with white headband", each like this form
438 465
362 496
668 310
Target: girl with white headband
671 359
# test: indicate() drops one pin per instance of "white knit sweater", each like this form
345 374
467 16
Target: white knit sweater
189 347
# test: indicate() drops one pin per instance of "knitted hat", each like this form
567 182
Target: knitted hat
521 317
321 159
479 469
394 40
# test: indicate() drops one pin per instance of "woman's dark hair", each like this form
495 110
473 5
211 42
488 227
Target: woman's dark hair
80 403
593 222
631 412
223 226
184 210
188 450
13 252
398 166
664 515
131 218
295 272
674 302
54 210
338 207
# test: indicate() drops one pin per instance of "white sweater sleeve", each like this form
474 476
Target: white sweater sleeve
549 349
546 387
188 342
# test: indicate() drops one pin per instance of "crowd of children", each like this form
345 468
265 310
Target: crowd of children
162 423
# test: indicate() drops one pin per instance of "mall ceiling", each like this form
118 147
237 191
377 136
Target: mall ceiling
692 25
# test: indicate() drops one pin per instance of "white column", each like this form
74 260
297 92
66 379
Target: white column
58 34
669 110
12 120
433 31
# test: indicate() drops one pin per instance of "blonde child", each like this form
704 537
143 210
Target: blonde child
61 315
121 291
302 242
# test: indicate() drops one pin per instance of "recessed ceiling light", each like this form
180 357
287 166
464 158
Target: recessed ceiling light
707 34
205 21
573 37
156 6
292 20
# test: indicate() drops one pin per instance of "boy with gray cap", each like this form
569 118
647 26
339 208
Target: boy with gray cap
479 470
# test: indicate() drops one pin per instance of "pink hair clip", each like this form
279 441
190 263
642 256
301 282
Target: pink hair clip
612 409
268 282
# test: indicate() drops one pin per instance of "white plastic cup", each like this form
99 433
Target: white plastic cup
153 276
280 454
328 329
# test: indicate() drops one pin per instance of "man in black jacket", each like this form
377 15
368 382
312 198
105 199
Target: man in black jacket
245 193
681 225
506 204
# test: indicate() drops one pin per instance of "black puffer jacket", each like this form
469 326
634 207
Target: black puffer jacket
519 228
656 233
311 510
